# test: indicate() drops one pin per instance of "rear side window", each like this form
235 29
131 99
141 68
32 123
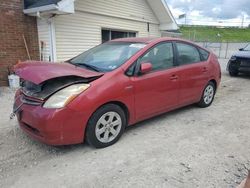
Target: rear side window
188 54
204 54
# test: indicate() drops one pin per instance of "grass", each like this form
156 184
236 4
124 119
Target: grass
213 34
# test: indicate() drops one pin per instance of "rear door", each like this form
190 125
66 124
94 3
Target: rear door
156 91
193 72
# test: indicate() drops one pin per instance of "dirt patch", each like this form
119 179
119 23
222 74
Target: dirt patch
189 147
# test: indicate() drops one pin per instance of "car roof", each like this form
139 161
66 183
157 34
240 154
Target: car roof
135 39
148 40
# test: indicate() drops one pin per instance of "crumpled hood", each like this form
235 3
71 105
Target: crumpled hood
242 54
38 72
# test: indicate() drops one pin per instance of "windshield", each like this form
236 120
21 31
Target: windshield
247 48
108 56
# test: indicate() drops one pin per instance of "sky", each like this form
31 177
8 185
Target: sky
211 12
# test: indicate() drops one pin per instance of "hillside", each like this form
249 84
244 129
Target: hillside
213 34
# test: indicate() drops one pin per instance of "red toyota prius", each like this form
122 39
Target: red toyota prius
95 95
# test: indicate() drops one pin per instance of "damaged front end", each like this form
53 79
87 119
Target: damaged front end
42 91
50 85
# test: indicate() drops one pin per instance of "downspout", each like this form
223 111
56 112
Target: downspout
52 36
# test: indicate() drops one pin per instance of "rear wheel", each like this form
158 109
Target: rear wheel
207 95
106 126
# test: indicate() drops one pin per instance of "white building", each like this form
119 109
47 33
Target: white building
69 27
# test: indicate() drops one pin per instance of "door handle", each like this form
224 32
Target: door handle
128 87
204 69
174 77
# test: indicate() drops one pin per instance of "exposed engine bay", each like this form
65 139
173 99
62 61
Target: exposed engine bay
48 87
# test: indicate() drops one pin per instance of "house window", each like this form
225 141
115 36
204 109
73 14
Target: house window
108 34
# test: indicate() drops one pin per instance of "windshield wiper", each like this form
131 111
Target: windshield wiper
94 68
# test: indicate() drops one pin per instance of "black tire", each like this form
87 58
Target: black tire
93 124
232 71
206 102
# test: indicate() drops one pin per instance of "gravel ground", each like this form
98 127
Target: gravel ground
189 147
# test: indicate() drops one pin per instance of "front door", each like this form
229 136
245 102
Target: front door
158 90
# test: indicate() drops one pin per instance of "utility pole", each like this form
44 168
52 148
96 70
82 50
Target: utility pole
185 18
242 22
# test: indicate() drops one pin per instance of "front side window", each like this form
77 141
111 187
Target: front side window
187 54
108 56
161 57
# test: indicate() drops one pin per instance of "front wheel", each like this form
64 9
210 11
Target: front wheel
106 126
232 71
207 95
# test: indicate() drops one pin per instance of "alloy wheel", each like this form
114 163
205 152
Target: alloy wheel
108 127
208 94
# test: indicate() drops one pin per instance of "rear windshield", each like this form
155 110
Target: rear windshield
247 48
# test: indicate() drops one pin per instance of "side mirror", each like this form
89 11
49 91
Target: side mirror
241 49
145 67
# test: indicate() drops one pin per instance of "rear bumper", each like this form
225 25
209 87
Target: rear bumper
52 126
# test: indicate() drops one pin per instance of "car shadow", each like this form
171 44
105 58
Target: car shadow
61 150
244 76
148 122
144 123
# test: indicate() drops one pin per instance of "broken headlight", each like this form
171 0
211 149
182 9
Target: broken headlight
62 97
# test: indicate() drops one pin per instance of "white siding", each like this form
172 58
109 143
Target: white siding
81 31
43 35
128 9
